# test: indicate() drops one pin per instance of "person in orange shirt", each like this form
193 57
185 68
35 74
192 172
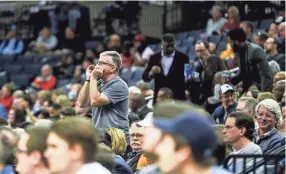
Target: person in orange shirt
46 81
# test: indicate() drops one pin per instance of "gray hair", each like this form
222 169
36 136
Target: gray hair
273 107
115 57
274 66
250 103
18 94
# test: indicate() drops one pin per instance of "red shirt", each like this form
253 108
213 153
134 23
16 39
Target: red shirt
45 84
229 26
7 103
127 61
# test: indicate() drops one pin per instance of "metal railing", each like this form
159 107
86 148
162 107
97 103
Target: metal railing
270 163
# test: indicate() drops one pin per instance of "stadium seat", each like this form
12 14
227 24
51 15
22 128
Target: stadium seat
178 43
32 69
24 59
153 47
221 46
21 80
182 35
196 33
254 24
52 60
183 49
135 76
3 78
215 39
62 83
90 45
188 42
7 59
265 24
13 69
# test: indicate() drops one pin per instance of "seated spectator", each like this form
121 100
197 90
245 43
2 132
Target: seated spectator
272 53
260 38
283 111
78 75
65 69
142 51
215 23
46 81
32 145
117 142
76 148
67 112
238 132
72 42
105 157
279 90
45 42
218 82
6 98
56 93
145 88
273 31
114 43
136 140
226 96
252 93
248 29
62 100
99 49
233 20
279 76
73 94
16 117
212 48
281 30
11 45
54 112
265 95
126 56
268 115
274 66
6 153
44 98
138 105
164 94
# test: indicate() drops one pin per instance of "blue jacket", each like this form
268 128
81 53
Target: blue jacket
219 113
8 169
271 141
3 113
121 166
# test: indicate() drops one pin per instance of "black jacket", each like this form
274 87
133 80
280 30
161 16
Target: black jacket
256 69
175 79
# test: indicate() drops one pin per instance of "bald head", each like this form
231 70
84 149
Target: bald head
46 70
281 30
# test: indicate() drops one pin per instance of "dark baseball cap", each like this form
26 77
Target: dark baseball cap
195 128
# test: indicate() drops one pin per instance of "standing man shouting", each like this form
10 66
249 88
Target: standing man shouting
106 93
167 69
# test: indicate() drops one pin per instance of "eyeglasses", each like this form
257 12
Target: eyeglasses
136 135
104 63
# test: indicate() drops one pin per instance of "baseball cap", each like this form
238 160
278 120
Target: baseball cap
225 88
195 128
139 37
147 121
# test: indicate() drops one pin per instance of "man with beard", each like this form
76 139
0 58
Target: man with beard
106 92
252 62
228 104
270 47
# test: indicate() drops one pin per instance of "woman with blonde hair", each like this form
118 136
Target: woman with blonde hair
233 19
118 140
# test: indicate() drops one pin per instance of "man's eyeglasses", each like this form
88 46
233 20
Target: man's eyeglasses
104 63
136 135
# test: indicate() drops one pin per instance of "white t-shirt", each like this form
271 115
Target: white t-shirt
92 168
147 53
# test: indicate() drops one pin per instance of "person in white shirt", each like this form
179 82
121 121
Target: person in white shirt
238 132
215 23
71 147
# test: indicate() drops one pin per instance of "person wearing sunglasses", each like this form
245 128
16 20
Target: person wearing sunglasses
106 93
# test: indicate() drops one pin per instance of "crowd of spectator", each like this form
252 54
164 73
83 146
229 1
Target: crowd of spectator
123 107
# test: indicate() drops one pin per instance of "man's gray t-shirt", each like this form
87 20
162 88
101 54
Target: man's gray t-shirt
114 114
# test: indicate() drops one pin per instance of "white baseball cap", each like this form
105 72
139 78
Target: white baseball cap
225 88
147 121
